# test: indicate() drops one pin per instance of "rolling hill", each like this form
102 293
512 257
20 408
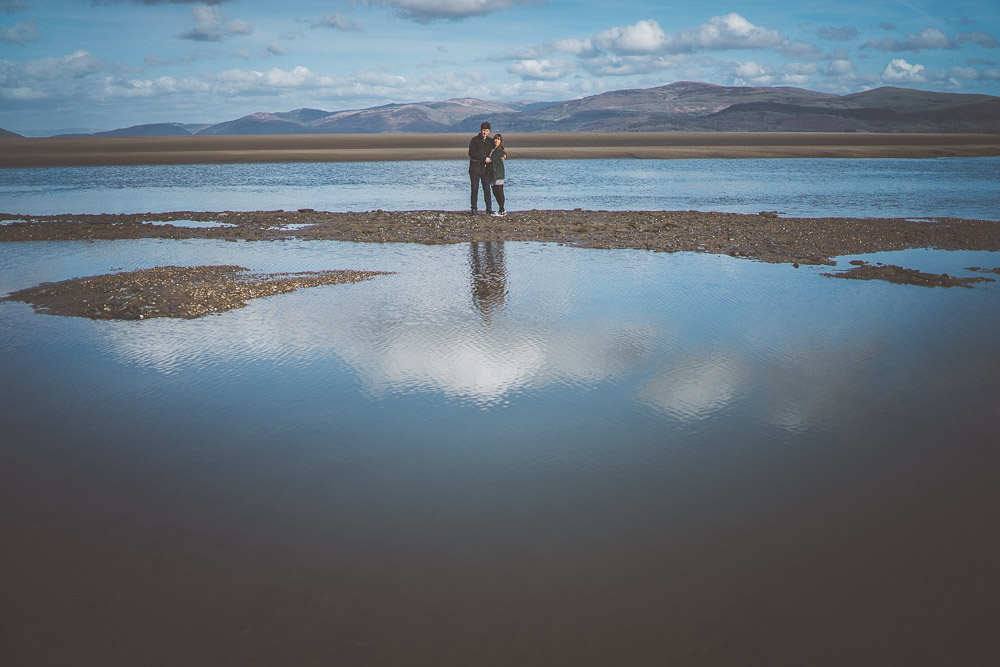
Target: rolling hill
680 106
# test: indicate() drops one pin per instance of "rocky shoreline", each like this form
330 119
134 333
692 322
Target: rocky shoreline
184 292
767 236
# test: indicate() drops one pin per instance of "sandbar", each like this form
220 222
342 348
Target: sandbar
184 292
97 151
765 236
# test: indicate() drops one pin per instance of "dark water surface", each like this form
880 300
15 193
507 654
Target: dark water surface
944 187
504 454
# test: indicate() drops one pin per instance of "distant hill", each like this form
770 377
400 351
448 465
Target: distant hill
690 106
257 123
447 116
5 134
681 106
152 130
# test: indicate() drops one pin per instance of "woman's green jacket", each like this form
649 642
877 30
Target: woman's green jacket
496 162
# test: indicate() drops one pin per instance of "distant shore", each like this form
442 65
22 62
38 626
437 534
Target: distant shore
95 151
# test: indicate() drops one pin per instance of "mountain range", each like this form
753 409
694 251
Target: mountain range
681 106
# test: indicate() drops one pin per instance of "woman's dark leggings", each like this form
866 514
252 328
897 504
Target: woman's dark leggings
498 195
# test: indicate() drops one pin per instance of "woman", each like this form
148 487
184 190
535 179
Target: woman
497 156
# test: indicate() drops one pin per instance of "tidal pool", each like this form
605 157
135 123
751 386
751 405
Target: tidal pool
503 454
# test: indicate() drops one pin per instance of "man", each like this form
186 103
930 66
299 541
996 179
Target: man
479 152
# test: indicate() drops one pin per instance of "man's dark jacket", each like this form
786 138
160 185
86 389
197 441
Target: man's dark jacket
479 150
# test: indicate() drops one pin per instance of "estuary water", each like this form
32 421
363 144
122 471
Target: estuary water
947 187
500 454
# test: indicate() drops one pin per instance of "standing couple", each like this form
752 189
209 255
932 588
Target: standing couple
486 156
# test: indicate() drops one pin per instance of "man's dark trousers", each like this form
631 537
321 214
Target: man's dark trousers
475 180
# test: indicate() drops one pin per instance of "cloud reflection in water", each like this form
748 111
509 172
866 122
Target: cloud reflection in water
687 337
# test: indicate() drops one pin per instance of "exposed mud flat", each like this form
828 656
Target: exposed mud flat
86 151
767 236
171 291
897 274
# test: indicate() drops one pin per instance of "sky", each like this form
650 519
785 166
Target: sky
92 65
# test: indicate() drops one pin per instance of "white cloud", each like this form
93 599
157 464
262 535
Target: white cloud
76 65
900 71
81 79
274 49
844 33
801 68
546 70
750 72
972 74
255 82
732 31
379 79
612 65
160 2
430 10
576 47
839 67
337 22
645 37
644 47
928 38
238 27
20 33
979 37
210 26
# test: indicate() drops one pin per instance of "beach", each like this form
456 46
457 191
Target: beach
93 151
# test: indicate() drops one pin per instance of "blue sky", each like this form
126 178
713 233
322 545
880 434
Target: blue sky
104 64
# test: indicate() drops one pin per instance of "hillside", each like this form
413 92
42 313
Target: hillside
5 134
700 107
390 118
683 106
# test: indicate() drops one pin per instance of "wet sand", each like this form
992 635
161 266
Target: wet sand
184 292
767 236
903 276
89 151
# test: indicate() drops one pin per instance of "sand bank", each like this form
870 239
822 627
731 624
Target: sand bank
88 151
194 292
766 236
184 292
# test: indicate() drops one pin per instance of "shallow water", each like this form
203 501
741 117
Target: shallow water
944 187
503 454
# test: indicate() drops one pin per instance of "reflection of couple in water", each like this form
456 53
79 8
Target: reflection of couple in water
488 278
486 168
